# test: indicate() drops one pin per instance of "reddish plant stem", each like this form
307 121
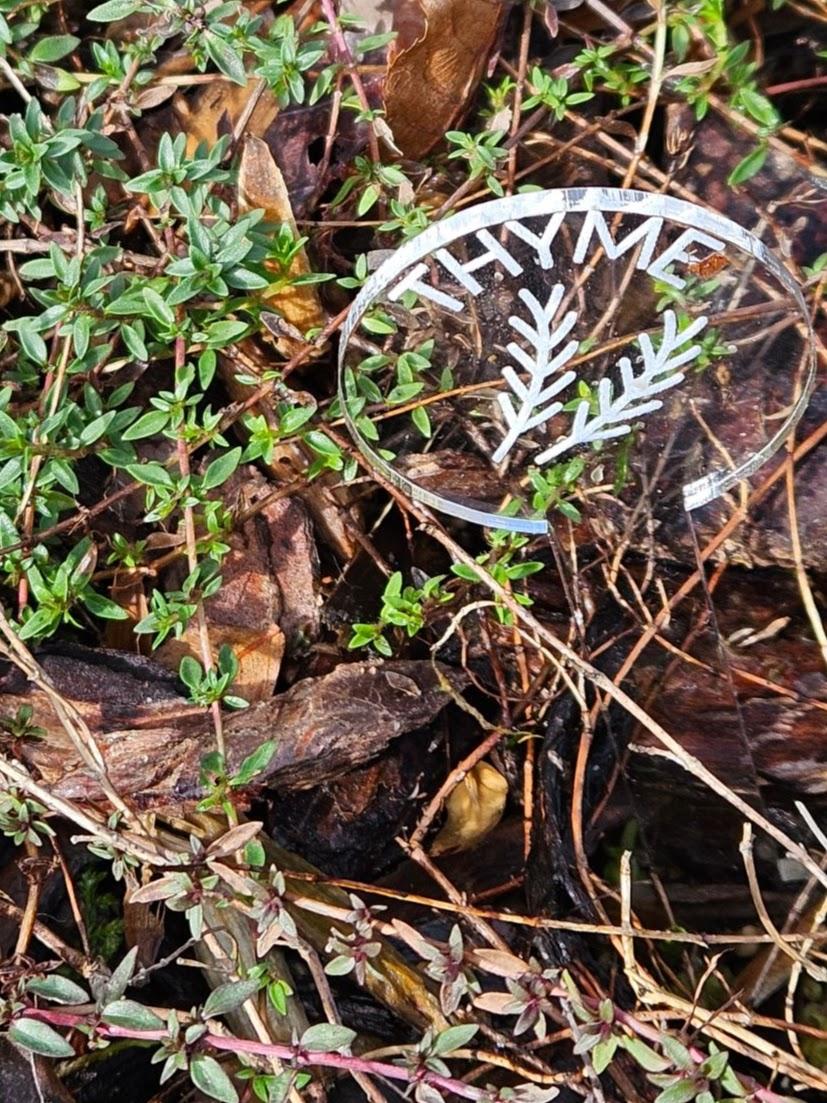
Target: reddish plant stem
298 1057
796 85
345 54
294 1055
652 1034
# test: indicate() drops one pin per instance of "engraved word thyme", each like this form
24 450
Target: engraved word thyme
530 246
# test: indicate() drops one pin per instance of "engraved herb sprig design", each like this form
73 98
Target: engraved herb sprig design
534 398
615 412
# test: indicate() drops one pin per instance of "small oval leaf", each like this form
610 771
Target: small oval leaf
133 1015
326 1037
58 989
209 1077
234 839
227 997
39 1038
455 1037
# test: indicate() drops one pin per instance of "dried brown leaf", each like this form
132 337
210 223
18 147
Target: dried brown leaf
430 83
143 927
268 594
691 68
261 187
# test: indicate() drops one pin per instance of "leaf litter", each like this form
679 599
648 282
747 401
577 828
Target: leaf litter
230 674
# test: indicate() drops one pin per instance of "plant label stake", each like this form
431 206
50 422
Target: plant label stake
642 356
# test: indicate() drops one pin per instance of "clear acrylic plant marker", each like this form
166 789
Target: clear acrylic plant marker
660 345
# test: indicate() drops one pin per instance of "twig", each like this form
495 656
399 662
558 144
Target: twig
316 969
182 454
578 789
535 922
761 908
817 917
541 637
15 81
655 82
47 938
795 85
522 66
481 926
73 723
74 906
245 116
125 841
35 881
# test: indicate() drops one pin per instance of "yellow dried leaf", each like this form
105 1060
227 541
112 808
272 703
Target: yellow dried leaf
474 807
261 187
217 108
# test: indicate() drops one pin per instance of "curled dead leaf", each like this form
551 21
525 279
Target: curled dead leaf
217 107
127 589
474 807
261 187
154 96
690 68
430 82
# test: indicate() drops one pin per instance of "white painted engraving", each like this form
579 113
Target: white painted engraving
534 405
615 413
462 271
540 242
647 232
594 225
679 251
413 282
607 414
